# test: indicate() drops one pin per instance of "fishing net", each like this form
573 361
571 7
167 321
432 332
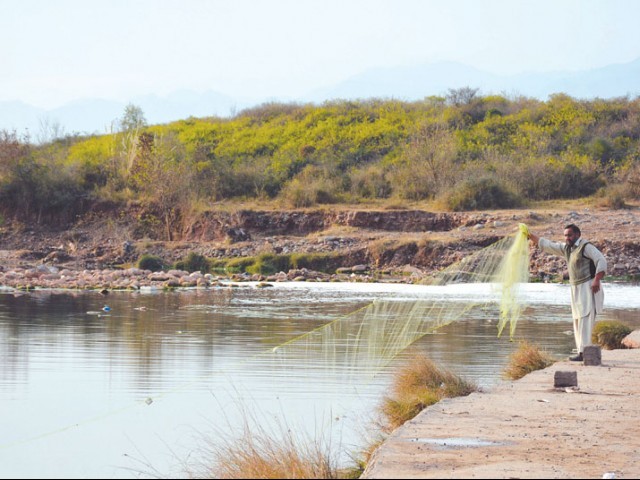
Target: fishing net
369 338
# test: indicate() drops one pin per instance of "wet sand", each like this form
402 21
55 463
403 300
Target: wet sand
527 428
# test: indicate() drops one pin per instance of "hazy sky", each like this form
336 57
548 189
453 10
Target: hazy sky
54 51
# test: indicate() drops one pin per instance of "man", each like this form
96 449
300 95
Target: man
587 266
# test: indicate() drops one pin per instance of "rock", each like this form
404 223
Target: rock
178 273
57 256
235 235
632 340
43 269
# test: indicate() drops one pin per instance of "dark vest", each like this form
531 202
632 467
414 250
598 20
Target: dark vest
581 268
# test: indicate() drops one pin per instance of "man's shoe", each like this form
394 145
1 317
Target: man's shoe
577 358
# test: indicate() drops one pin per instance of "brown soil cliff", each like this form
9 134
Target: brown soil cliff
403 242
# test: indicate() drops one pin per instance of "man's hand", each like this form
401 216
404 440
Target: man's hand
595 284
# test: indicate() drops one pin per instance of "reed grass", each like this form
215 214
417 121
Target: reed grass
266 449
258 455
261 452
526 359
419 384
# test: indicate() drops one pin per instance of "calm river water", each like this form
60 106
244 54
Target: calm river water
140 389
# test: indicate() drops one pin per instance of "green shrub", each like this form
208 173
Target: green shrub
218 265
370 182
609 334
239 264
194 263
151 262
481 194
320 262
269 263
312 186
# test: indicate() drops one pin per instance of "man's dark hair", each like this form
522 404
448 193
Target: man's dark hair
574 228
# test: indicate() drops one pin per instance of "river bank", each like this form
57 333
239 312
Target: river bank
406 246
527 429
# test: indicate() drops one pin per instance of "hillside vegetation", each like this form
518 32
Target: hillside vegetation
463 151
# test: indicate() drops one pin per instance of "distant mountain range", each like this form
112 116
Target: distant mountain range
93 115
413 83
404 83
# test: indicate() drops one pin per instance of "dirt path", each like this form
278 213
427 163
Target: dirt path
527 429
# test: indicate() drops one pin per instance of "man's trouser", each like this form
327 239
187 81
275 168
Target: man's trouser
582 329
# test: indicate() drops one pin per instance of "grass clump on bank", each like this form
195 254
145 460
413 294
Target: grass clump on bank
419 384
264 457
258 452
281 453
609 334
526 359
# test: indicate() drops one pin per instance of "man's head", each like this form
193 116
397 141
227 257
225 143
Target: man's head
571 234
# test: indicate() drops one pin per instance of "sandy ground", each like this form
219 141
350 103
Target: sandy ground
527 429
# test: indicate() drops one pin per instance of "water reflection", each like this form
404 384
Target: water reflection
80 387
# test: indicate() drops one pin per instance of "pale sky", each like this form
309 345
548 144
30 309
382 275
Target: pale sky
55 51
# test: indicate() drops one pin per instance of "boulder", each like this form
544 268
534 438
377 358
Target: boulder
632 340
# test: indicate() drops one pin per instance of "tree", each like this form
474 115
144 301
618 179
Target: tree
132 119
461 96
12 151
131 123
50 130
164 177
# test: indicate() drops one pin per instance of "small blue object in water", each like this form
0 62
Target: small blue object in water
106 308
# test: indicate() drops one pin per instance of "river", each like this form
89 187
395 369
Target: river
130 385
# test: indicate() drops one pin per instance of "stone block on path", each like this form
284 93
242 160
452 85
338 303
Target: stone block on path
563 378
592 355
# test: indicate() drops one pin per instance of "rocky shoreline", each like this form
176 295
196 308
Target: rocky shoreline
405 246
51 277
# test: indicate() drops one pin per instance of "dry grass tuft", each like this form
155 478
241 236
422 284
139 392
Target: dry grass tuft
262 456
419 384
362 459
526 359
258 452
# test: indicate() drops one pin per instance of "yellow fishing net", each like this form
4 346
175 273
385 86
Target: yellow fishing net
372 336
